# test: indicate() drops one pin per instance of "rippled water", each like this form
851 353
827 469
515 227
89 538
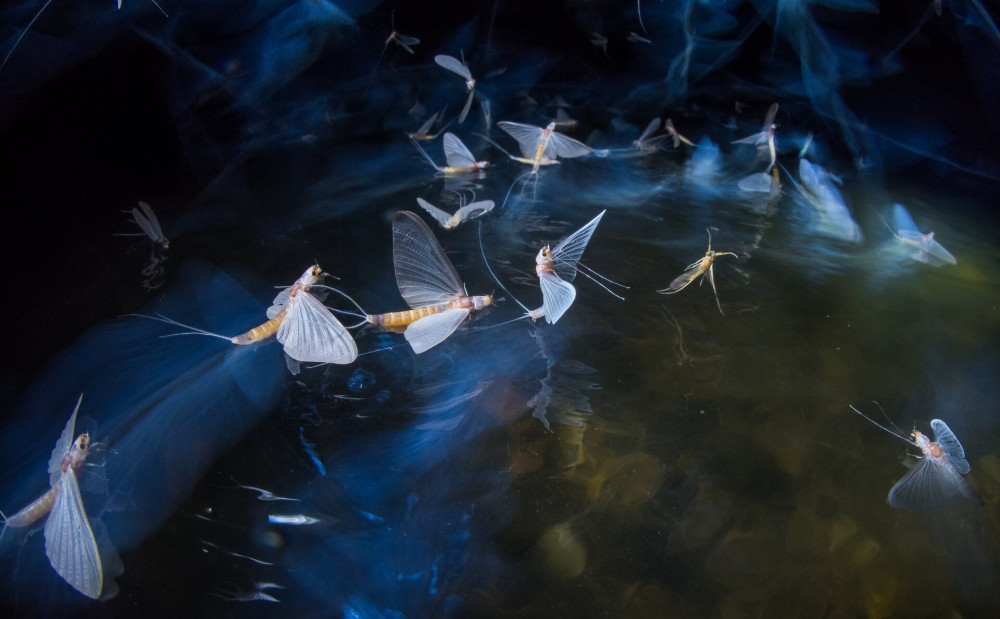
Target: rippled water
642 457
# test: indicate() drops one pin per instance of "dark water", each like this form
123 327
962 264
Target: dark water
645 457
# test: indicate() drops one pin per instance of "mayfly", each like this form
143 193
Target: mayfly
697 269
556 268
69 541
926 248
538 144
303 325
646 142
464 213
765 136
145 218
460 160
424 132
938 474
459 68
406 42
429 284
677 137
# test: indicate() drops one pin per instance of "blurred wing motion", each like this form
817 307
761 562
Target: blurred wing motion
455 152
69 541
424 273
757 183
311 334
557 145
431 330
458 67
933 479
557 296
928 250
567 253
147 220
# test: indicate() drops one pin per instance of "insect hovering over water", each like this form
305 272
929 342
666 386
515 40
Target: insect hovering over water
765 136
430 285
423 133
69 541
922 247
698 268
303 325
460 160
406 42
538 144
464 213
556 268
459 68
145 218
938 474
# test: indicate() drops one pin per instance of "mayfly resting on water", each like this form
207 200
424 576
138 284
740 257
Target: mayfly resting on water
556 268
938 474
146 219
430 285
69 541
923 247
460 160
464 213
698 268
303 325
459 68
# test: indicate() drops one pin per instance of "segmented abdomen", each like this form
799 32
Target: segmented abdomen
402 319
36 509
263 331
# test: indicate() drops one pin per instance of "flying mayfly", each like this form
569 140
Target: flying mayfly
459 68
303 325
424 132
402 40
145 218
922 247
938 474
765 137
464 213
69 541
702 266
460 160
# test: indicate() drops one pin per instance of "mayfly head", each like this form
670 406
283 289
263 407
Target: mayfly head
483 301
544 256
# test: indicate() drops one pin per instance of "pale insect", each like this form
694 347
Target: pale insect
678 138
696 269
429 284
563 119
69 541
459 68
538 144
460 160
406 42
525 160
925 248
424 132
146 219
938 474
307 330
636 38
556 268
464 213
646 142
765 136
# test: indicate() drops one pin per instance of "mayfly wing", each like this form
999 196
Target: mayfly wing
467 107
710 276
567 253
311 334
430 331
476 209
424 273
425 128
455 153
406 42
650 129
684 279
920 488
439 216
557 296
937 251
69 540
769 117
279 302
147 220
454 65
954 452
62 446
756 183
526 135
560 145
904 224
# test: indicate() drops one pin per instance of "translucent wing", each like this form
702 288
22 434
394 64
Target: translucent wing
147 220
279 303
684 279
426 127
769 117
650 129
934 253
903 223
557 296
953 450
927 485
424 274
468 105
62 446
526 135
757 138
476 209
561 146
454 65
70 543
567 253
757 183
406 42
455 153
439 216
430 331
311 334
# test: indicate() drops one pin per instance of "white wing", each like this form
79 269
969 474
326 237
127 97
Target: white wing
526 135
757 138
567 253
279 303
147 220
649 130
430 331
426 127
454 65
903 223
757 183
927 485
476 209
953 450
468 105
70 543
62 446
557 296
561 146
439 216
311 334
424 274
455 153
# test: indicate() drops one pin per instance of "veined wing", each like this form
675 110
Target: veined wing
439 216
953 450
311 334
567 253
526 135
279 302
557 296
424 273
454 65
476 209
684 279
62 446
560 145
455 153
430 331
927 485
69 541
